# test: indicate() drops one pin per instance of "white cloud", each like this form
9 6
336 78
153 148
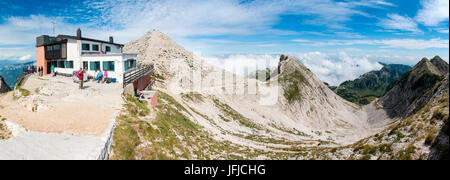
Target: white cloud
337 68
433 12
414 44
15 53
442 30
399 22
24 30
218 17
26 57
331 68
243 64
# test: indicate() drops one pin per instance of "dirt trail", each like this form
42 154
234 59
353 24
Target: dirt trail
57 105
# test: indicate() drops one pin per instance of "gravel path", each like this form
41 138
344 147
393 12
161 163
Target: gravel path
33 145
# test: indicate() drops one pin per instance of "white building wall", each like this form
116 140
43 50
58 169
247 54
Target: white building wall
74 53
118 64
115 49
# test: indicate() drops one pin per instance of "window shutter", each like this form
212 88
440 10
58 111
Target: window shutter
105 66
112 68
92 65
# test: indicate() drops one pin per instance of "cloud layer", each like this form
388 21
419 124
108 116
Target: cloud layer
335 69
433 12
331 68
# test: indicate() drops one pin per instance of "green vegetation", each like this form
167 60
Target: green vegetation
125 141
371 85
263 75
136 107
4 132
194 97
22 91
234 115
406 154
292 82
157 76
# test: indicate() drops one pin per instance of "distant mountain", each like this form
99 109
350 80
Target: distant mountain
10 72
8 62
419 100
371 85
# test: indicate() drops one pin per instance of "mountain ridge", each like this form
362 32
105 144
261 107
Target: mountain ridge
225 120
410 92
370 85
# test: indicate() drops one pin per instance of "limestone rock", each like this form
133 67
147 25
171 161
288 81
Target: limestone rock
129 89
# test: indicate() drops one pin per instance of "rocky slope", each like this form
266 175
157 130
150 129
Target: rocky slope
156 48
205 112
421 132
414 89
226 116
3 86
371 85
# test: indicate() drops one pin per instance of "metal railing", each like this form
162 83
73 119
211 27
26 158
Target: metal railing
134 74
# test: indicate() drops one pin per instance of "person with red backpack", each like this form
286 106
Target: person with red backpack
81 77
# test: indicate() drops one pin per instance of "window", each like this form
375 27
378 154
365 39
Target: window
130 63
56 47
69 64
85 47
49 48
61 64
95 47
85 65
108 65
108 49
94 65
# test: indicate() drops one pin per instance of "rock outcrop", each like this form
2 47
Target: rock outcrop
3 86
309 101
440 64
414 89
158 49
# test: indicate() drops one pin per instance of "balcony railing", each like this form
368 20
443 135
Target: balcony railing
132 75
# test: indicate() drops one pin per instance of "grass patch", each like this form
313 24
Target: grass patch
136 107
125 141
194 97
292 82
234 115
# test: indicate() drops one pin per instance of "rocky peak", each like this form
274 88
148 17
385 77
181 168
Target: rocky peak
440 64
412 90
159 49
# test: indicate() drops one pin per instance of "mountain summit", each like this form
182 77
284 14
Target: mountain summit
157 48
414 88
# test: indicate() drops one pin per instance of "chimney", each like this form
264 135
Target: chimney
111 39
78 33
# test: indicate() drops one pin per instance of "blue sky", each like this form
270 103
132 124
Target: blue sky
392 31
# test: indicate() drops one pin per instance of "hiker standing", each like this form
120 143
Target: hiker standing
81 77
53 69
